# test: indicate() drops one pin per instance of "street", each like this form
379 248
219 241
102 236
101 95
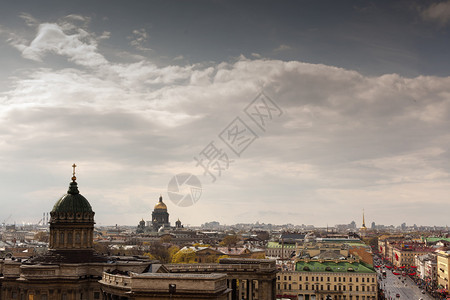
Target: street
393 285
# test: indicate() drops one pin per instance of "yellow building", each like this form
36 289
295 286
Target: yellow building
317 279
443 271
404 255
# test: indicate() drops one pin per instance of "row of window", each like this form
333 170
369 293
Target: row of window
328 287
15 295
336 279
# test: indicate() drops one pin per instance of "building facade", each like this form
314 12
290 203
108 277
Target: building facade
443 268
314 279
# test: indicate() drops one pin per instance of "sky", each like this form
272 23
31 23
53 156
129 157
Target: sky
302 112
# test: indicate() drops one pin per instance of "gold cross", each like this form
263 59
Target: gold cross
74 166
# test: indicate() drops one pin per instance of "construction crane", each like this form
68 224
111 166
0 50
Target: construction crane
6 220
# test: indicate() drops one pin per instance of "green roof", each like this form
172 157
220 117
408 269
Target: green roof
72 202
435 239
278 245
329 266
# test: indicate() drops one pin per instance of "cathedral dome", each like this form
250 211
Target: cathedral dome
72 202
160 205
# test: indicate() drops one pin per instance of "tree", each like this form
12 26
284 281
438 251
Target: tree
201 245
149 255
159 252
184 256
166 239
229 240
41 236
102 248
222 256
172 251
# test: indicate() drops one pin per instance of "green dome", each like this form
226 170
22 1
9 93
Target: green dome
72 202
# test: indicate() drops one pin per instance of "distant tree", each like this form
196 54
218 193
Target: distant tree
184 256
102 248
229 240
172 251
166 239
201 245
159 251
41 236
222 256
149 255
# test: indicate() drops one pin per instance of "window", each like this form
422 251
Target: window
290 288
362 288
343 288
339 279
300 287
284 277
356 288
362 279
61 238
350 288
300 278
350 279
306 278
289 278
321 278
328 278
343 279
356 279
306 287
335 288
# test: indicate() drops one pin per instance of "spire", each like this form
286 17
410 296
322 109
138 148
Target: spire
364 223
73 187
73 173
160 198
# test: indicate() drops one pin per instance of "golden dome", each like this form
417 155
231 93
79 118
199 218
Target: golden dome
160 204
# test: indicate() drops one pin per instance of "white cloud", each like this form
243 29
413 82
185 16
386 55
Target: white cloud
139 38
283 47
80 47
29 19
343 136
437 12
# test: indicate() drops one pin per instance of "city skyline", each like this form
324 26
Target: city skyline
134 94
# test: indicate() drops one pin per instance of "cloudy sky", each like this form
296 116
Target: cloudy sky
358 94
